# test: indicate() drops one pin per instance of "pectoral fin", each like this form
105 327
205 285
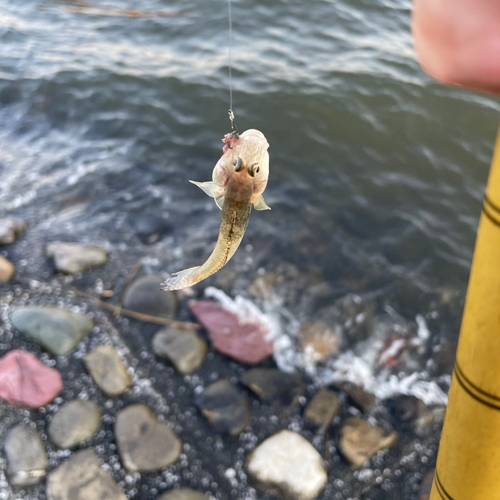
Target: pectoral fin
209 188
260 204
220 202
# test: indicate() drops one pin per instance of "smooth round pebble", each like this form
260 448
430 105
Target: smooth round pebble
225 407
359 440
82 478
323 408
56 329
145 296
185 349
183 494
26 458
144 443
288 462
275 387
73 258
150 228
7 270
74 423
107 370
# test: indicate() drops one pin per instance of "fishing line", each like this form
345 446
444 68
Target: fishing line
230 71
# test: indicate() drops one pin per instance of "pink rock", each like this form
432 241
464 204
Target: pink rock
26 382
245 342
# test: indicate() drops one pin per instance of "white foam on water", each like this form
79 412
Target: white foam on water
361 368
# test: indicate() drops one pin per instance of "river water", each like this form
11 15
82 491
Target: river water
377 172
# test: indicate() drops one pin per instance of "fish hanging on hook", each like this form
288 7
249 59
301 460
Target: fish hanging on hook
238 181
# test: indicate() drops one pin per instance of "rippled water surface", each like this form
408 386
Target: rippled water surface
377 173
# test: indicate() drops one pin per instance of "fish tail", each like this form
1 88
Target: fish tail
182 279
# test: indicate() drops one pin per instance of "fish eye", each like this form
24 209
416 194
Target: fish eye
238 164
254 169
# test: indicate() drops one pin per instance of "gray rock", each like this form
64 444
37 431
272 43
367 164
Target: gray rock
145 296
10 230
74 423
150 228
57 330
26 459
73 258
322 409
359 440
7 270
288 464
183 494
108 371
144 443
185 349
272 386
224 407
359 398
82 478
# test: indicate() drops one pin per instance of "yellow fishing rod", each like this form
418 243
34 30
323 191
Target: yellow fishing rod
468 465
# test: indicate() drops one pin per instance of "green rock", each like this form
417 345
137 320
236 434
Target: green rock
57 330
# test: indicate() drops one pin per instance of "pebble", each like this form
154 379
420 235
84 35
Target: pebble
150 228
107 370
26 458
74 423
56 329
73 258
26 382
145 296
290 464
414 411
144 443
183 494
225 407
82 478
359 440
323 408
185 349
275 387
7 270
244 342
426 487
319 342
10 230
359 397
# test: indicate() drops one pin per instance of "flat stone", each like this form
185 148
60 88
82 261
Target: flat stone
73 258
185 349
244 342
359 397
107 370
82 478
144 443
289 464
26 459
150 228
7 270
426 487
56 329
275 387
74 423
323 408
225 407
10 230
26 382
183 494
145 296
412 410
359 440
